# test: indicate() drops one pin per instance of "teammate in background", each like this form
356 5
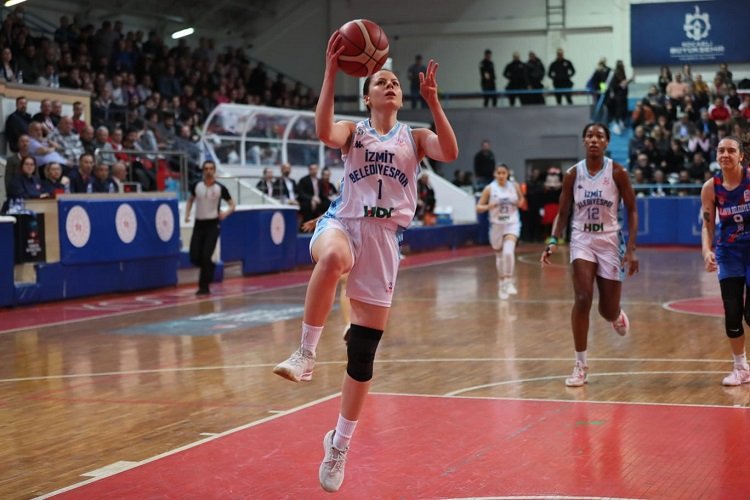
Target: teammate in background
594 187
359 232
207 195
502 198
725 194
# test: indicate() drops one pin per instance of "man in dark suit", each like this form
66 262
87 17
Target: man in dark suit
266 184
285 188
17 124
308 189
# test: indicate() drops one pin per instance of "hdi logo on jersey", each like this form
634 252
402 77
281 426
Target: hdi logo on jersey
593 227
378 212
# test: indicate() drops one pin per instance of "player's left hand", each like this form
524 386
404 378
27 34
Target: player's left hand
631 261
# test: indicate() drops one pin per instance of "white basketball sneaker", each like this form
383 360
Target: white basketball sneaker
502 290
510 287
740 375
331 473
298 367
579 375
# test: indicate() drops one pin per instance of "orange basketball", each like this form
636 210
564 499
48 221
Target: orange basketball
366 47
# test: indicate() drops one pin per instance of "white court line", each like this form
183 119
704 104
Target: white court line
341 362
193 445
553 400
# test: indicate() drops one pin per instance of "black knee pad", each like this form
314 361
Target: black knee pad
363 342
732 290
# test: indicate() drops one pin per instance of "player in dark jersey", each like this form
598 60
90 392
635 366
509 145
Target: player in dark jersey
728 195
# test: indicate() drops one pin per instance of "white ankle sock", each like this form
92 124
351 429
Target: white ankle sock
310 337
740 360
344 431
581 356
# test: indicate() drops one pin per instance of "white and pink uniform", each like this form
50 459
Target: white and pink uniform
377 201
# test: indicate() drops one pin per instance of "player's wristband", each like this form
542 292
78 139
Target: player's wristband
552 240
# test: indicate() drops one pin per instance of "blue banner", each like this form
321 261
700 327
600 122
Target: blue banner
689 32
102 230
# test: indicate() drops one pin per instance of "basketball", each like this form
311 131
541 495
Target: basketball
366 48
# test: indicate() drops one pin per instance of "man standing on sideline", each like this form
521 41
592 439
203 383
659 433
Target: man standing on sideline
515 73
207 195
484 165
413 74
487 75
560 72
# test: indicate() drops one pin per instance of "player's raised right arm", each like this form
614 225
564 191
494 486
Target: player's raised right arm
332 134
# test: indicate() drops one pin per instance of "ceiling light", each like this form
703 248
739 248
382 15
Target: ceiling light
11 3
182 33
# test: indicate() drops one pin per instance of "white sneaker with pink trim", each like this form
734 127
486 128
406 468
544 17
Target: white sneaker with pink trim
621 324
579 376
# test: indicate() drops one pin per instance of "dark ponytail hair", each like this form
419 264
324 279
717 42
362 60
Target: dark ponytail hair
596 124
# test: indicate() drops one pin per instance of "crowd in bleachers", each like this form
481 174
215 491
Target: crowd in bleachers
677 126
144 95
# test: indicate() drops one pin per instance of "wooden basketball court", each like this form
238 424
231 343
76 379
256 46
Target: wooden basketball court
162 395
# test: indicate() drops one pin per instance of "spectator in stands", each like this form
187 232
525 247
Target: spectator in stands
515 73
17 123
66 34
723 74
78 119
676 90
645 165
643 115
638 181
674 160
56 113
733 100
286 187
49 77
87 139
650 150
534 76
26 183
599 80
425 200
29 68
661 140
8 71
487 78
81 177
102 107
328 191
686 180
120 176
266 184
44 116
168 83
560 72
719 113
660 184
617 101
102 143
683 129
698 167
69 143
413 74
458 177
484 165
665 78
637 143
308 190
54 181
43 150
698 142
701 92
101 182
13 162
